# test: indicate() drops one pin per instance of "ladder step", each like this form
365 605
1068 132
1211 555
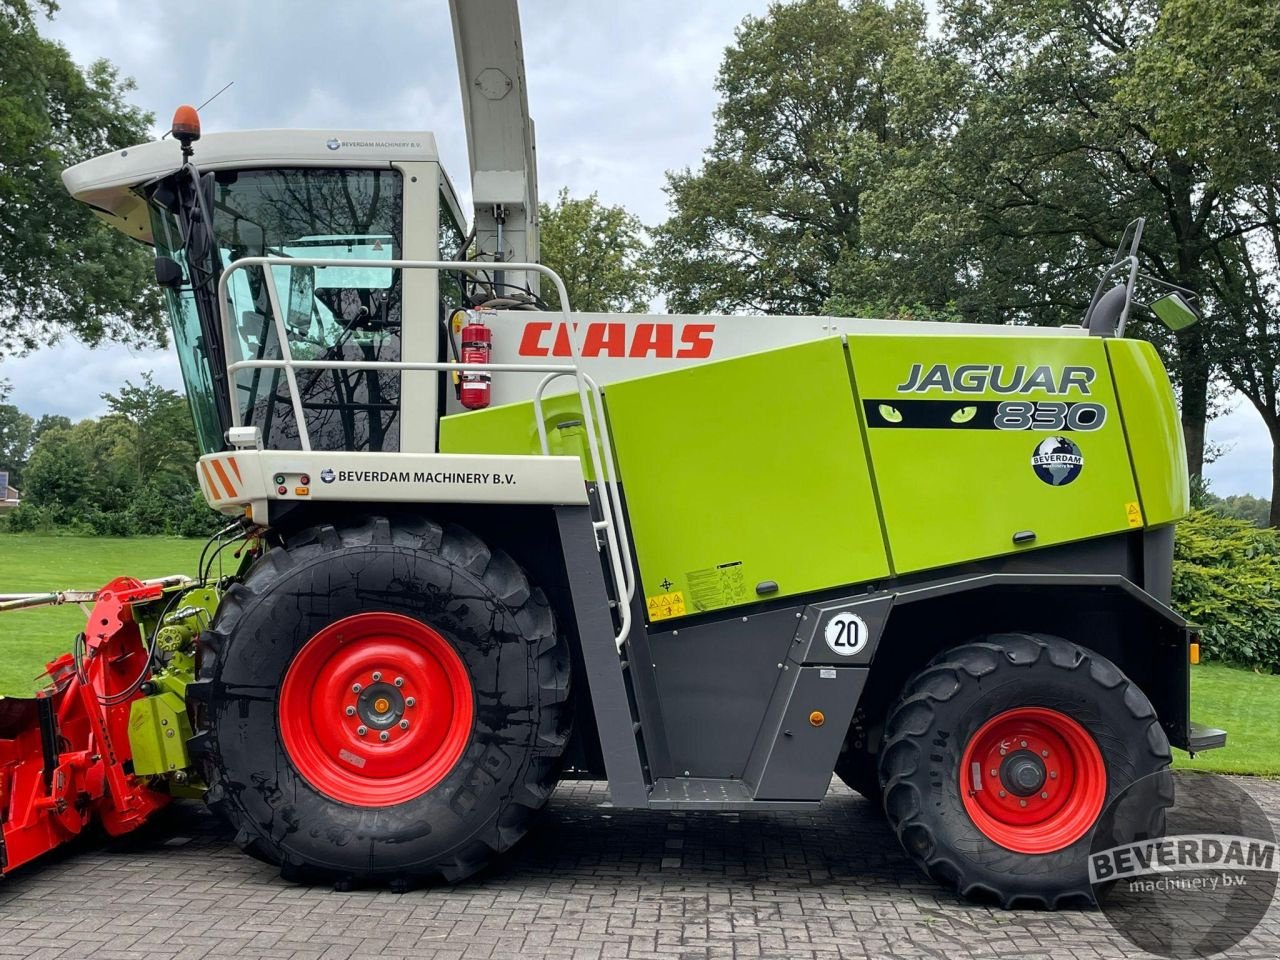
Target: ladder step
706 793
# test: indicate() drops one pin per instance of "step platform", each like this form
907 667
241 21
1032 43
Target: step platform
698 793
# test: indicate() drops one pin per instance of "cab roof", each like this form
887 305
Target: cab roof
109 183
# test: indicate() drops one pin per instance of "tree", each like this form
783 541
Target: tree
46 422
1062 144
15 442
61 269
597 250
1208 78
819 102
74 473
859 167
1241 507
15 438
128 473
154 429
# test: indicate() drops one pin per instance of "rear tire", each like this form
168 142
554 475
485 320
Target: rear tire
430 789
1086 725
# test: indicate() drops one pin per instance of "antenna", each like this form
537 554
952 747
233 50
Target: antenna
205 104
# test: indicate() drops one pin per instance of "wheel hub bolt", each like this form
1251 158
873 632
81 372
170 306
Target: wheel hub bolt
410 702
1022 773
1022 803
1044 753
384 736
1044 796
1053 774
404 724
1003 794
1022 743
361 730
399 681
356 688
995 772
351 711
378 676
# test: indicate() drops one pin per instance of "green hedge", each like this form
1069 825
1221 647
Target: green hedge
164 506
1226 578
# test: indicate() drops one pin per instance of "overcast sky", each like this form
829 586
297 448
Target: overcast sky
620 92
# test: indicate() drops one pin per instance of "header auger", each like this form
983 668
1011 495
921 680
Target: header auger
711 560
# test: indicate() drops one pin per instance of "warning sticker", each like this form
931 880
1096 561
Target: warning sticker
719 586
1133 513
663 606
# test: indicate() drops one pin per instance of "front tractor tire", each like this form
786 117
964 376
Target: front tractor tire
1000 757
383 701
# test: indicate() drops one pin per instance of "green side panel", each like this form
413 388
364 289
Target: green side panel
744 471
1154 428
159 726
976 439
158 733
512 429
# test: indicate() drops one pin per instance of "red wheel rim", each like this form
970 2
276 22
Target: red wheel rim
376 709
1033 780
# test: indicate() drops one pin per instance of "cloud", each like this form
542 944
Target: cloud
69 378
1245 466
621 93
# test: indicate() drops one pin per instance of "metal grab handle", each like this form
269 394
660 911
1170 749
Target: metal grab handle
289 365
287 362
388 365
610 479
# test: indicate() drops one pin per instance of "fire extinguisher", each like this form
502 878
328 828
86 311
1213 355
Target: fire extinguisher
477 344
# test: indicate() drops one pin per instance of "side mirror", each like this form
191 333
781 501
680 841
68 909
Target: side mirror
168 272
1174 311
302 299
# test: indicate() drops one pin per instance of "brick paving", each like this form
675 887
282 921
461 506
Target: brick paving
588 883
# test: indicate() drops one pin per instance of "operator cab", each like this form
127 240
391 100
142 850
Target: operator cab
307 194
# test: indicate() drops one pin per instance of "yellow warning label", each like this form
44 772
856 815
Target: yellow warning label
1133 513
663 606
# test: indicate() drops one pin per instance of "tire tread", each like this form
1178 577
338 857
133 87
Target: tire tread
913 719
501 576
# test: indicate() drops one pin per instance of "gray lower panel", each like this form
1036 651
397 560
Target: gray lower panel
714 681
800 740
1157 563
694 793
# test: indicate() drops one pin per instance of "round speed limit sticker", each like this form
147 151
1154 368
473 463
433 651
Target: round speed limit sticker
847 634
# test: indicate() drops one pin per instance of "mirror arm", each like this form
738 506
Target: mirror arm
1169 286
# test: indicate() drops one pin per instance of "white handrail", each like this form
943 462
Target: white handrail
610 480
399 365
619 571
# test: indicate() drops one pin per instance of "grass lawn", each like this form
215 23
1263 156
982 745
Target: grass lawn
35 564
1245 704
